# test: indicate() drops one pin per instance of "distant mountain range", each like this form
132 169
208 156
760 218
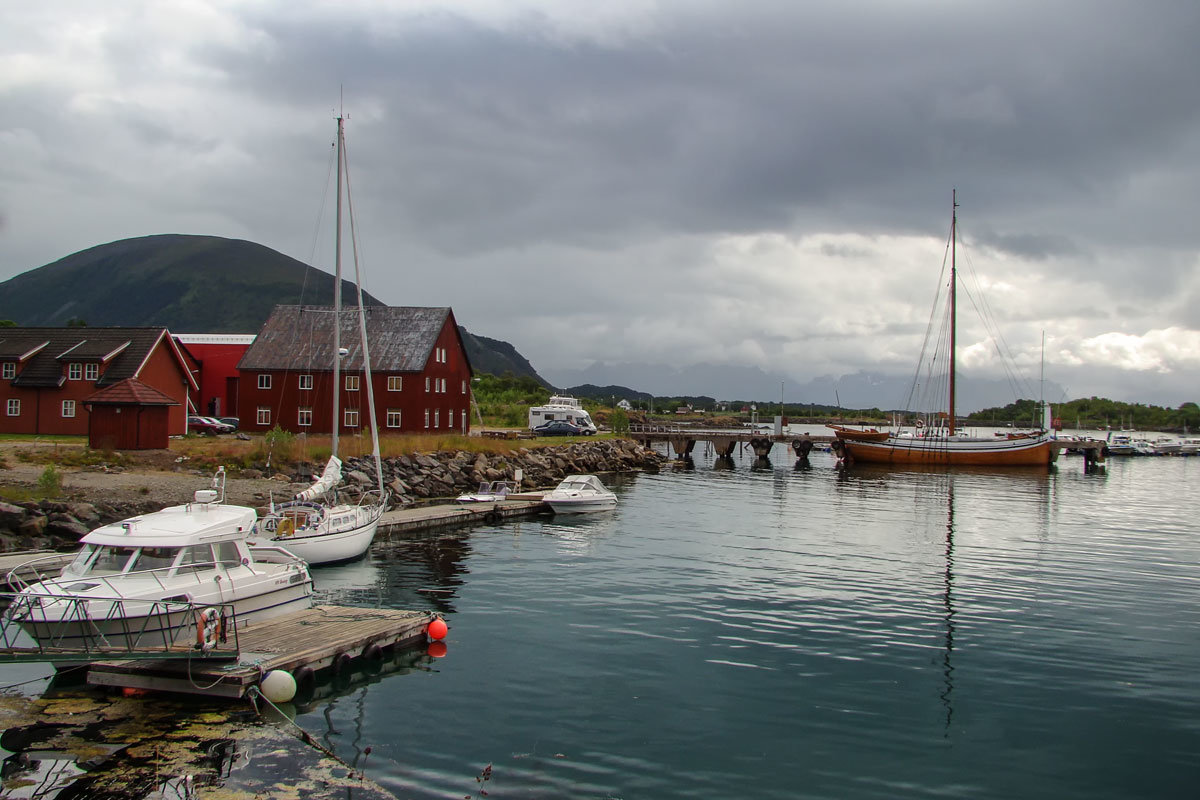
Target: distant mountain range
859 390
193 284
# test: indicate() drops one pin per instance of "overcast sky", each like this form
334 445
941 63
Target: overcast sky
756 183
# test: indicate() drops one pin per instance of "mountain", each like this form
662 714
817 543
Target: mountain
189 284
497 357
193 284
852 391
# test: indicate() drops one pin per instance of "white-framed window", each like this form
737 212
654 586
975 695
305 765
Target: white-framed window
91 372
8 370
74 371
14 407
464 387
443 385
68 408
393 418
395 383
426 383
306 381
437 415
264 380
351 417
304 416
351 383
262 416
450 418
426 416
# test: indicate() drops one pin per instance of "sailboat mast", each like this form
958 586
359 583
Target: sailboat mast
953 297
337 289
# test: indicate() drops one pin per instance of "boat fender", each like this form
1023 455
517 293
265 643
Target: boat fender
492 517
341 664
372 652
306 680
210 629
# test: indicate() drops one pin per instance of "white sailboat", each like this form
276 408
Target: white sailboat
314 525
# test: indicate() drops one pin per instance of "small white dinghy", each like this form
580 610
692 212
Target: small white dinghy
579 494
489 492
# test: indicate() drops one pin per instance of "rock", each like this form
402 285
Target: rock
252 474
359 477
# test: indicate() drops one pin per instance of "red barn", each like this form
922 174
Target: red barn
420 373
46 374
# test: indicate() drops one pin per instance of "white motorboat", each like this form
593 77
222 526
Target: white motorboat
1189 446
489 492
314 525
158 578
578 494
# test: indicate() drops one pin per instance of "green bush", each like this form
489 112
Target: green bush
49 483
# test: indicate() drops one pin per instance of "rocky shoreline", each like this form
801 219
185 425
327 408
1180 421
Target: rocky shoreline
98 496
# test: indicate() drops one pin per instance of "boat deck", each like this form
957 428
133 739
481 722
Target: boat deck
322 637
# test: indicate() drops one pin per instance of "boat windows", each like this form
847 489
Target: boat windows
110 561
155 558
227 554
195 557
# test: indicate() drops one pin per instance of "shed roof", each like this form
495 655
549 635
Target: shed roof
130 392
400 338
124 349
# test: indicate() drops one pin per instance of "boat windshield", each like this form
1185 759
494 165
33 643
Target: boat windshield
101 560
154 558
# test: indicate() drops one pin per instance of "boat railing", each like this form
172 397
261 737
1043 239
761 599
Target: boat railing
180 576
27 573
42 626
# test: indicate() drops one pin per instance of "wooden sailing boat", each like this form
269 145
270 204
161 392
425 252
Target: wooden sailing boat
940 442
314 525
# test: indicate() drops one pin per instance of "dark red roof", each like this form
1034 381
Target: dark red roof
130 392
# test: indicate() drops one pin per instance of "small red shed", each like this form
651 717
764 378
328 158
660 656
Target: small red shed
128 416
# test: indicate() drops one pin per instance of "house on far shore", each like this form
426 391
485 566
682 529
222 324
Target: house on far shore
47 374
421 377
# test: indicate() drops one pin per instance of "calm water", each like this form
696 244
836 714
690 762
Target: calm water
801 633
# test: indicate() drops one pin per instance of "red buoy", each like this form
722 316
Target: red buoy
437 628
436 649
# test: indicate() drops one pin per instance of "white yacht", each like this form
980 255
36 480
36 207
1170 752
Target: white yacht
579 494
163 578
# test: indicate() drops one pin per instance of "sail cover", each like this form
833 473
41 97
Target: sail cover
329 479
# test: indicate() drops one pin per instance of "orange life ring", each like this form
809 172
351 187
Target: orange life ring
210 628
920 423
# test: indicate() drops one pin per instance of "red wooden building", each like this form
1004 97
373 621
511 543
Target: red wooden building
46 374
217 356
129 416
420 372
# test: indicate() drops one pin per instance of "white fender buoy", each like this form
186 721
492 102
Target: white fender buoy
278 686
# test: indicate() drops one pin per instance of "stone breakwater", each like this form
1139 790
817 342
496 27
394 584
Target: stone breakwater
420 477
409 479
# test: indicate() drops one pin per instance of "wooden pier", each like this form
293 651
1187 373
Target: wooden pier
319 638
515 506
724 441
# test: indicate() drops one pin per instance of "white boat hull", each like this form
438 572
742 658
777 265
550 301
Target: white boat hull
583 506
329 546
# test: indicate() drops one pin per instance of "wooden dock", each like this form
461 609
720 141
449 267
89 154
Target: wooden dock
405 520
319 638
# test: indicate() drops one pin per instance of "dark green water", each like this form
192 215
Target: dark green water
784 633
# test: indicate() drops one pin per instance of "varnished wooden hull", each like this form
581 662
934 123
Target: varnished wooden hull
951 452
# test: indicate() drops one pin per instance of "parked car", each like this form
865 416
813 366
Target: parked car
207 426
235 422
558 427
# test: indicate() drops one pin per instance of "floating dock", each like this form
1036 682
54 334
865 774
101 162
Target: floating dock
319 638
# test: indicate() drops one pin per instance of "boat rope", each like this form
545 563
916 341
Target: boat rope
254 694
